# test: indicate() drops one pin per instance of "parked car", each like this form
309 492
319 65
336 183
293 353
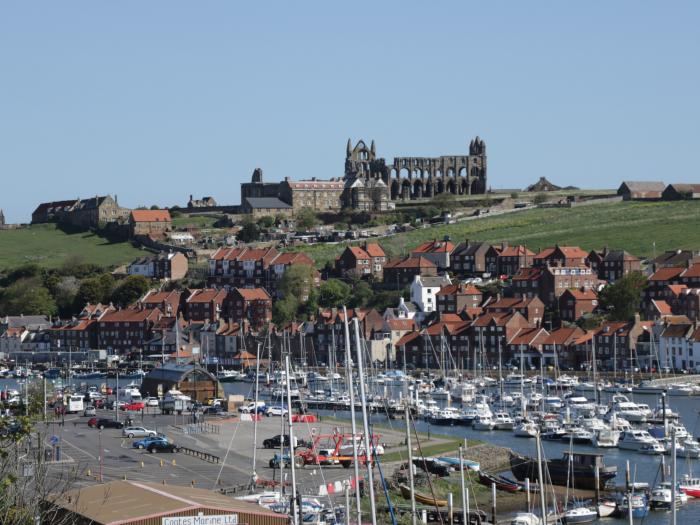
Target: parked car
216 409
105 423
162 446
250 408
275 411
132 432
145 442
276 441
151 401
89 411
135 406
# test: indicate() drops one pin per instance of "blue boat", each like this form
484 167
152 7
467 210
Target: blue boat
640 506
454 462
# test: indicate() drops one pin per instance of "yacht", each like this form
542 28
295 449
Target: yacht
630 411
690 486
526 429
553 402
638 440
683 389
580 515
526 518
503 421
475 411
606 438
484 422
517 380
577 434
447 416
565 381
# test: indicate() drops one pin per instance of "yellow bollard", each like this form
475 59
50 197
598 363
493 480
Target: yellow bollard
161 463
174 464
142 464
124 477
89 473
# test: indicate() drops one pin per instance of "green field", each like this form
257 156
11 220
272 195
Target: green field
633 226
48 246
195 221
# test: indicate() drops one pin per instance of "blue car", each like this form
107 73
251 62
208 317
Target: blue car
143 443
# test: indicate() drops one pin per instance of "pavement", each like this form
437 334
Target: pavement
229 438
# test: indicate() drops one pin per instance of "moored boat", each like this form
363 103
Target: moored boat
584 465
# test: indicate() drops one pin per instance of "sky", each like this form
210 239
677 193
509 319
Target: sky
154 101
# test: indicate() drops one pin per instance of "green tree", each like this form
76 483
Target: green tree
250 232
155 207
306 219
27 296
334 292
361 294
297 281
284 310
387 299
540 198
64 294
266 221
130 290
621 299
97 289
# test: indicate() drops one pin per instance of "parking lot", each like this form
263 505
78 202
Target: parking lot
227 438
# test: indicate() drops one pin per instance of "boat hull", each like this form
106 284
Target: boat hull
584 476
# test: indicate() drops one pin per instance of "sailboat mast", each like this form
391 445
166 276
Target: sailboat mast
351 389
407 417
294 511
365 423
254 477
543 505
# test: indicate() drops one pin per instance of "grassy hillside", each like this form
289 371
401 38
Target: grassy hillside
634 226
46 245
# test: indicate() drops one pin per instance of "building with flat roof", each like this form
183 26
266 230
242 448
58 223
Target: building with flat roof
143 503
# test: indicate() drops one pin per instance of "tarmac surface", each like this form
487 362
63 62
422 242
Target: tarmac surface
228 438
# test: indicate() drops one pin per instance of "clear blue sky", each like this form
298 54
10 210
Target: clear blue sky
157 100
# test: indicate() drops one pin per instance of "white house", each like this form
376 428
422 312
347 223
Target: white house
679 347
181 238
423 290
403 311
11 340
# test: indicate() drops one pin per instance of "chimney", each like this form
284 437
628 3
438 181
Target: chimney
504 245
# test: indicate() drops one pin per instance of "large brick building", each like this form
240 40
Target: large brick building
147 222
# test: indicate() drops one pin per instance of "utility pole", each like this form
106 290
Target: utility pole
351 388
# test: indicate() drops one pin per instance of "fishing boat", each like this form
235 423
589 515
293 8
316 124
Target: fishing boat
640 506
584 465
526 518
421 498
502 483
229 376
433 466
662 495
690 486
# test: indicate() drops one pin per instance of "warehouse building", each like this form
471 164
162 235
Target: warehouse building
141 503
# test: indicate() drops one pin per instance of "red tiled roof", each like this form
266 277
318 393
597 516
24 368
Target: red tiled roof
582 295
662 307
410 262
528 274
696 335
131 315
407 338
358 252
150 216
692 271
498 318
401 324
457 289
375 250
287 258
515 251
666 274
79 325
620 328
562 336
253 294
677 289
434 247
567 251
526 336
206 295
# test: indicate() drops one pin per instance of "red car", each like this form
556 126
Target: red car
92 422
138 405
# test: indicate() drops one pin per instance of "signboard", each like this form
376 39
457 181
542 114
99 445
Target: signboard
54 440
217 519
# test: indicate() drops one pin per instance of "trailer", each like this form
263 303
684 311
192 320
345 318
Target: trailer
330 449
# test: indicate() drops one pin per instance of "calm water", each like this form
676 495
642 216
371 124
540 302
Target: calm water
643 468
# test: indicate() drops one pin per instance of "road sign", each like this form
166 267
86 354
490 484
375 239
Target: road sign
54 440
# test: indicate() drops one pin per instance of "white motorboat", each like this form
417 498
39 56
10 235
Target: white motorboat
527 429
629 411
606 438
662 495
503 421
607 508
580 515
683 389
639 441
484 422
517 380
553 402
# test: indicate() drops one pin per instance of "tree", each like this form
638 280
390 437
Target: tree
266 221
28 297
284 310
361 294
306 219
130 290
334 292
250 232
97 289
621 299
387 299
297 281
155 207
64 294
540 198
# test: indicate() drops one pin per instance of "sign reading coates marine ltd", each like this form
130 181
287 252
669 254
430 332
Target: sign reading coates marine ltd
218 519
